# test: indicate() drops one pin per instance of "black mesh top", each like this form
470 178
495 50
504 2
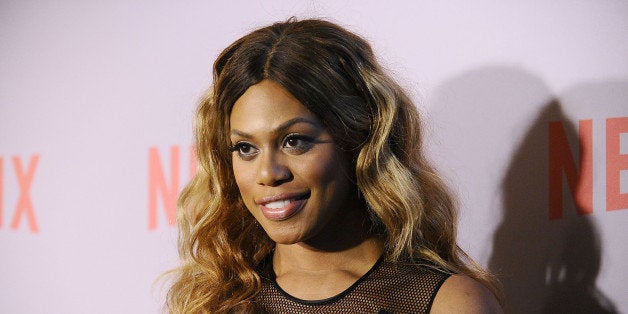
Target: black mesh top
386 288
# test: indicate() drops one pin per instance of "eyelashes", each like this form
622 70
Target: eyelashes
293 143
298 142
244 149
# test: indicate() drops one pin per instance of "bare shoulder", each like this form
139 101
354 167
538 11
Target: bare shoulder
461 294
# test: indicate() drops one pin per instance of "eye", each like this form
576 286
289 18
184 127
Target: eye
298 143
245 151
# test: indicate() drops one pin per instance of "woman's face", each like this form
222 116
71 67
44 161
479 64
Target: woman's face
291 175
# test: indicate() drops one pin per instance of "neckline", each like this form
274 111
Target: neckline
273 280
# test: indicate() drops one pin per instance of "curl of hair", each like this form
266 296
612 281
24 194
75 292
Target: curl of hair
333 73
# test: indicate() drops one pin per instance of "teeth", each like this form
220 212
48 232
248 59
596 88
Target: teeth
277 204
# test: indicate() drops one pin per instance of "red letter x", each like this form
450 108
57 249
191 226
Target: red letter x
24 204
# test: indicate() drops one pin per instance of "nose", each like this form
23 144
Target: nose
272 170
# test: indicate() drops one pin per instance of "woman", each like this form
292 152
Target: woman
313 193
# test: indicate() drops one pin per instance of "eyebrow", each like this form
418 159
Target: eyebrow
281 127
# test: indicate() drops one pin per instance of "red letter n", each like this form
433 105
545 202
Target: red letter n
157 183
24 203
615 163
561 160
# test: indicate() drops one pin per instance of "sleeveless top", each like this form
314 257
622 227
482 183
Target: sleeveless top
387 287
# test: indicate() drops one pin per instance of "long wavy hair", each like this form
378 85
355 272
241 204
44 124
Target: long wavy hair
333 73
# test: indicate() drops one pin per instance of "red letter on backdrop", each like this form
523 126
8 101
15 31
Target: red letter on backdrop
157 182
561 159
615 163
24 203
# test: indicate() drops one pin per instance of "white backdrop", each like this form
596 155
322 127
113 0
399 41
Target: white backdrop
96 104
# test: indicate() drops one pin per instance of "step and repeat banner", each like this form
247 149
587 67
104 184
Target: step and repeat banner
526 110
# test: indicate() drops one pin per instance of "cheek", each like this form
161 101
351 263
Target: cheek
325 170
243 177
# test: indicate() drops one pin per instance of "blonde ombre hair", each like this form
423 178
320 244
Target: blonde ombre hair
333 73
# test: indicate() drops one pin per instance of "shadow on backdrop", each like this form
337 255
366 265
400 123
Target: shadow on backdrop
546 266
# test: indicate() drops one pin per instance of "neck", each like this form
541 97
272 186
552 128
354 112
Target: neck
346 243
302 257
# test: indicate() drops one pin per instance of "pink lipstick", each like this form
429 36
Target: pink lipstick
282 207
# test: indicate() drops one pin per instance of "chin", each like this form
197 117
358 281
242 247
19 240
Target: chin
285 239
286 236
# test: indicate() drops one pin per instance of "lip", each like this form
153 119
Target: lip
297 202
